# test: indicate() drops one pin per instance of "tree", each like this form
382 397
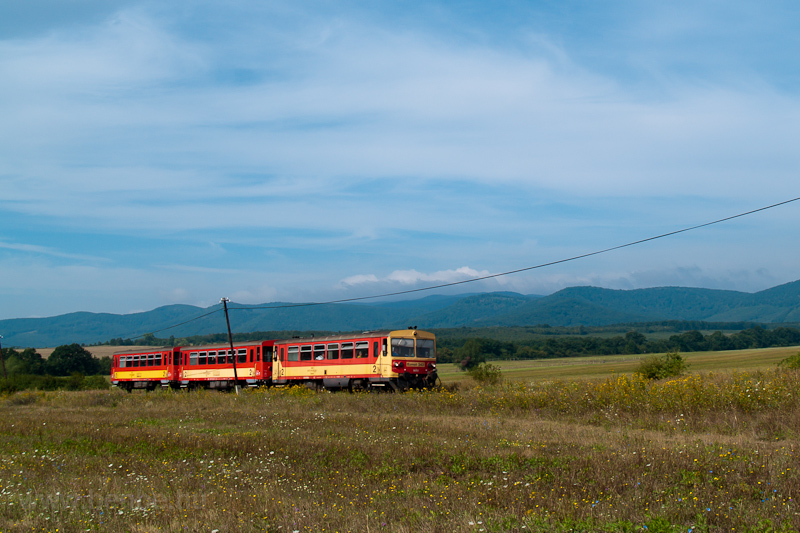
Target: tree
471 354
28 361
70 358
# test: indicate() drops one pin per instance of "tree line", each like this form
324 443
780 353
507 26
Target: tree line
70 366
472 351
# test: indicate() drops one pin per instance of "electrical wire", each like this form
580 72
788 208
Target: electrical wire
517 271
175 325
489 276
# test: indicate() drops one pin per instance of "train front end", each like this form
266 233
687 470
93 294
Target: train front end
411 355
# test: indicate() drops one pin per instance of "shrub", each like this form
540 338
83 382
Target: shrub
670 364
486 374
96 383
791 363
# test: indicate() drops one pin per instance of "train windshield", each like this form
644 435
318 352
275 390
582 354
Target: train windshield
402 347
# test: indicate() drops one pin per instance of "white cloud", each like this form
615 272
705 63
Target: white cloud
360 279
413 277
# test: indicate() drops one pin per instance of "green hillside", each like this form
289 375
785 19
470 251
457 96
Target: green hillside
574 306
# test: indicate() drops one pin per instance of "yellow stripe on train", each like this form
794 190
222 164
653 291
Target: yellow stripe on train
140 374
217 373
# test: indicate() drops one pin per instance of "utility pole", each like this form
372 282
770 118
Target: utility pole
3 359
230 341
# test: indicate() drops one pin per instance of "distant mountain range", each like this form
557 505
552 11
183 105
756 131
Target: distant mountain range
588 306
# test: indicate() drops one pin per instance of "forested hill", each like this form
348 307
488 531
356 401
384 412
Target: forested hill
575 306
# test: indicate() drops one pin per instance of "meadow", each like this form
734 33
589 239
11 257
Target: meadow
715 450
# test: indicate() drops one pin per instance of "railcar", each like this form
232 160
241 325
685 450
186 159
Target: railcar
212 366
158 367
396 360
379 360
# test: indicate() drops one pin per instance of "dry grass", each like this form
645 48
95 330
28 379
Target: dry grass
613 455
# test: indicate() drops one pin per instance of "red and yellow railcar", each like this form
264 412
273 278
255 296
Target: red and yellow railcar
213 366
158 367
396 360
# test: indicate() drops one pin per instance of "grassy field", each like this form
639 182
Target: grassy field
595 367
704 452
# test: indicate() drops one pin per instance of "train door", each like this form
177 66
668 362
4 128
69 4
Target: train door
379 352
278 359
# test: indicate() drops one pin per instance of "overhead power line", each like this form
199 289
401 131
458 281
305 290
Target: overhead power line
489 276
525 269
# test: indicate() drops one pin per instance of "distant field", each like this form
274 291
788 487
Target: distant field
610 365
99 351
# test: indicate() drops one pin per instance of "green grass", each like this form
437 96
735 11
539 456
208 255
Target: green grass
595 367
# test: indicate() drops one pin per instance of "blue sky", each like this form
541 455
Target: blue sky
178 152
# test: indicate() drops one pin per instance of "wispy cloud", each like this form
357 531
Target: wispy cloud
44 250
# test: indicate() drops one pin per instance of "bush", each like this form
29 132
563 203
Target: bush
96 383
486 374
670 364
791 363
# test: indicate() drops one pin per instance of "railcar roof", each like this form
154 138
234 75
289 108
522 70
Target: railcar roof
346 336
217 346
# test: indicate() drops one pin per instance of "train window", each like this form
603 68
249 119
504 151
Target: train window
202 358
347 350
213 359
425 348
333 351
375 349
258 353
305 353
294 353
149 359
159 358
121 363
319 352
241 355
251 355
362 349
193 358
403 347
